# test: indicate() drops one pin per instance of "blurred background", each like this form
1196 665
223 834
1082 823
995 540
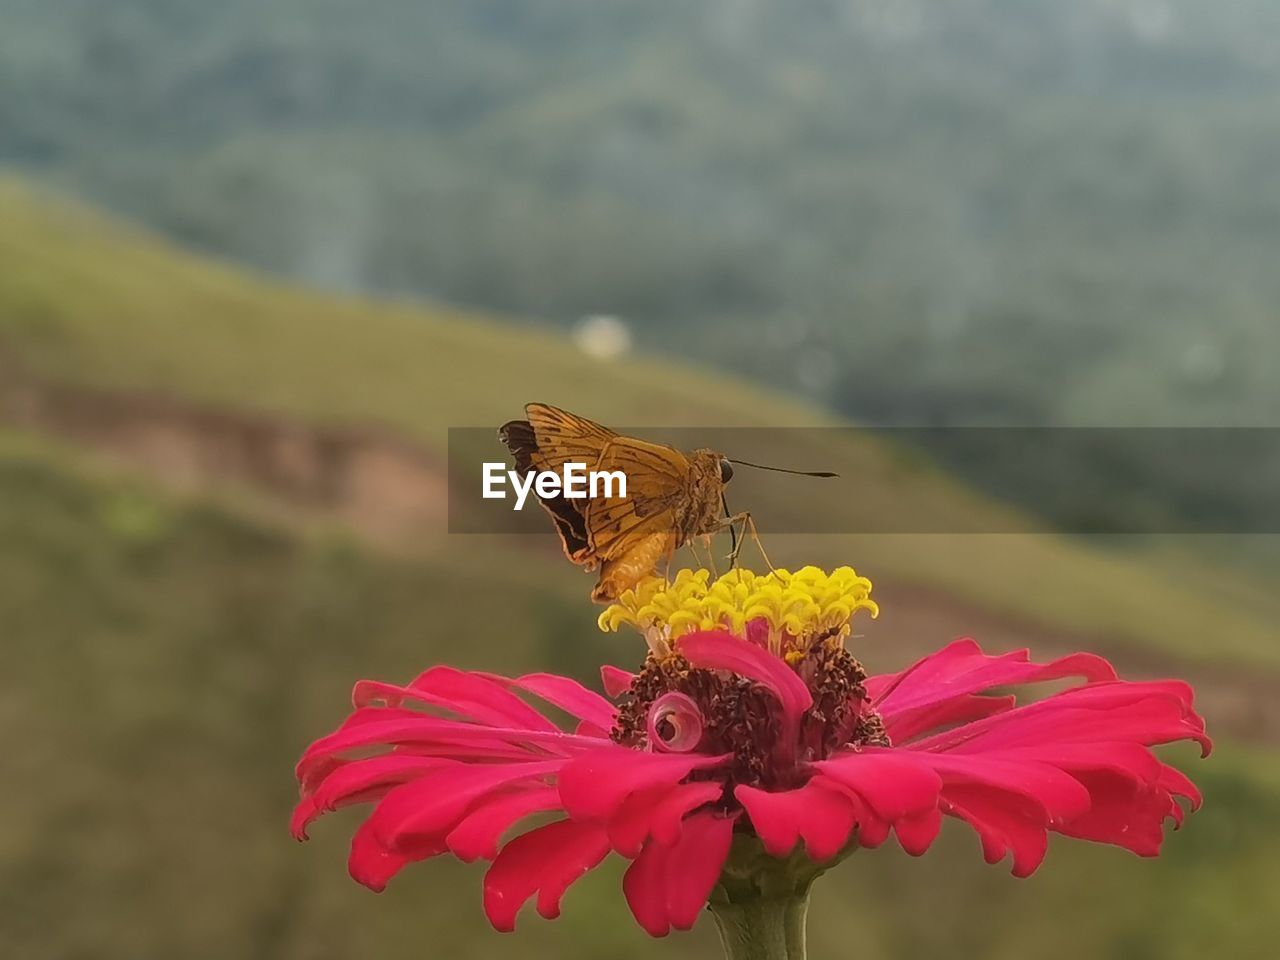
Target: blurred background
256 257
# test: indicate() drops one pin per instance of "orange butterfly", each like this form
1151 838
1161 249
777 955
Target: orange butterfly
670 498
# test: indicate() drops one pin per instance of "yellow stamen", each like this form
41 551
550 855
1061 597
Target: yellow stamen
797 607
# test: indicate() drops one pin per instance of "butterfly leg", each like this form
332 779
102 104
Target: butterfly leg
748 526
711 556
738 541
729 523
705 540
755 536
743 518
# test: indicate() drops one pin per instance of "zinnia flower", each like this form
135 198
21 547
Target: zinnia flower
749 753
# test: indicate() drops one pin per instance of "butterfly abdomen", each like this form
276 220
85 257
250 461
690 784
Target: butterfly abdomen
636 564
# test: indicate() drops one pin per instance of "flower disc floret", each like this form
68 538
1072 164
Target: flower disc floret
785 610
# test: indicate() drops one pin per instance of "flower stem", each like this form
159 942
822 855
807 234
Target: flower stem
763 927
761 901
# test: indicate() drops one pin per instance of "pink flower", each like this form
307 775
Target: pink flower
723 740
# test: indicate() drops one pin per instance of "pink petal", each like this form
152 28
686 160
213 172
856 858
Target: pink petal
675 723
893 784
1060 795
571 697
961 668
358 782
364 726
545 861
433 804
421 730
720 650
903 726
645 887
658 812
1130 759
1003 824
757 631
916 834
822 816
373 865
1177 783
670 814
615 680
593 785
667 886
695 864
477 835
631 825
1144 713
871 830
1124 812
471 695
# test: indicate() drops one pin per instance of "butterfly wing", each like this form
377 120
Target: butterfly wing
547 440
520 439
628 534
657 485
563 437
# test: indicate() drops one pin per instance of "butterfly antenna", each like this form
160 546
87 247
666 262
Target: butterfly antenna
801 473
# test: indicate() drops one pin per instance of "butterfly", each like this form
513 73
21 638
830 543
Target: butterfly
671 497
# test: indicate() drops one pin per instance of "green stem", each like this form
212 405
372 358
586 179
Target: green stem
761 901
762 927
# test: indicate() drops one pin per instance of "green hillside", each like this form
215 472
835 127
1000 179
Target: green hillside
88 302
167 661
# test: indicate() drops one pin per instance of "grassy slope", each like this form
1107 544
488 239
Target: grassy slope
87 301
173 659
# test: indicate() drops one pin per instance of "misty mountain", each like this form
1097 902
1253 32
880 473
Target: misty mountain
979 212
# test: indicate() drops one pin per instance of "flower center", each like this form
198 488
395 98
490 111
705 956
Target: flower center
672 706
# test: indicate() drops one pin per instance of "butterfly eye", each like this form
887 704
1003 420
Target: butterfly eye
726 471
